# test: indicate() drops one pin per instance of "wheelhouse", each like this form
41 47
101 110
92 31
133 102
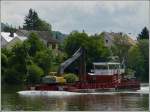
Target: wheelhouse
107 68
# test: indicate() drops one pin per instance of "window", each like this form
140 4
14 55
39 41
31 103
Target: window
111 66
53 46
106 41
101 67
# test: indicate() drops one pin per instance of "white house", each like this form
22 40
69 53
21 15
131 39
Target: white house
9 39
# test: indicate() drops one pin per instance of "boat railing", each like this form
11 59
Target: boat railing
107 72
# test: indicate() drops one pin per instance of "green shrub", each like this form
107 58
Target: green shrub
129 73
34 74
70 78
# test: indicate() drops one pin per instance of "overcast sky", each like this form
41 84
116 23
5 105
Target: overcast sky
92 16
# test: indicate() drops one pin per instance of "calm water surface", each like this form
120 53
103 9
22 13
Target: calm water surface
48 101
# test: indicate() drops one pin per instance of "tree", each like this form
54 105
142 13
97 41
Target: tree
8 28
12 76
18 61
136 62
74 41
5 57
15 68
39 53
44 26
4 63
34 44
121 47
4 60
26 61
33 22
44 60
7 52
34 74
144 34
20 57
94 46
144 49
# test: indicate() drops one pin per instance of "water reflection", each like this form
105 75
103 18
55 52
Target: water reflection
89 102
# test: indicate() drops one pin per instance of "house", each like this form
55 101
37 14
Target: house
45 36
8 39
109 38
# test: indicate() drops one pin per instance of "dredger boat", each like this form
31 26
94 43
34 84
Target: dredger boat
104 76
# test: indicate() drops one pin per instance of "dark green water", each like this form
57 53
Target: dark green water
11 100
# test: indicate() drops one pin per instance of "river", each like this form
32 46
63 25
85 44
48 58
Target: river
14 98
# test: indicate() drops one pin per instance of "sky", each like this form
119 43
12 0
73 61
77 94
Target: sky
90 16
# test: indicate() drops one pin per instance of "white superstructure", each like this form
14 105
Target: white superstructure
107 68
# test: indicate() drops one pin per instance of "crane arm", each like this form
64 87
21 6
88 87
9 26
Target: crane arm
65 64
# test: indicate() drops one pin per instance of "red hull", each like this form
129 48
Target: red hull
109 83
131 84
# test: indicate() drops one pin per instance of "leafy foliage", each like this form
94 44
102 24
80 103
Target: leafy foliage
6 51
18 61
12 76
121 47
4 60
34 74
30 56
4 63
136 61
7 28
15 68
144 34
34 44
70 78
44 60
44 26
144 49
94 46
130 72
33 22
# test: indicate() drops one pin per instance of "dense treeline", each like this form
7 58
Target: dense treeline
138 56
7 28
30 60
26 61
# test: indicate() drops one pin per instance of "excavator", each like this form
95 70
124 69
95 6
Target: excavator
80 53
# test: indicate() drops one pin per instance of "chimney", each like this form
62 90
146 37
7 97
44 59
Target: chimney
11 34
